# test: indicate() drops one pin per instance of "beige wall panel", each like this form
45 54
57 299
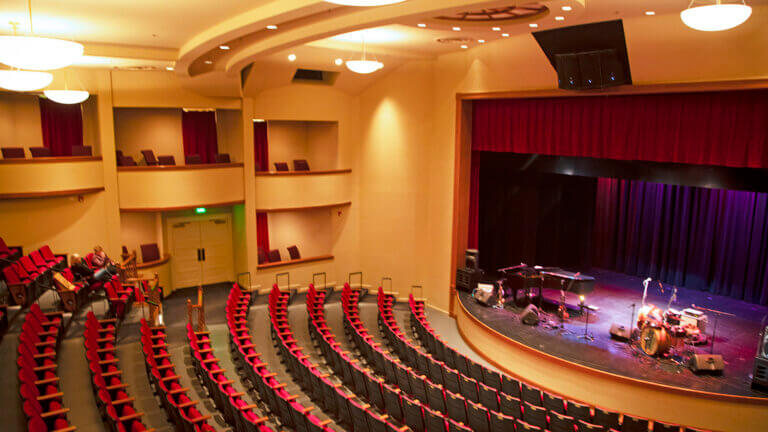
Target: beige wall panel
310 231
287 141
137 229
155 129
20 121
293 191
160 89
180 188
229 133
51 177
322 145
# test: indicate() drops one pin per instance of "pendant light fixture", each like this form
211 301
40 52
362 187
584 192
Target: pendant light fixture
66 96
19 80
363 65
37 53
715 15
364 2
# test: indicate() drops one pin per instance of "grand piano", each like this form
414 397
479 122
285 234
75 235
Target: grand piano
524 284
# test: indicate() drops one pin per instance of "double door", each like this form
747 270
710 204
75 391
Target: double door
201 250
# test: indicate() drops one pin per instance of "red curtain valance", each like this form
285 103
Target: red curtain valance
728 128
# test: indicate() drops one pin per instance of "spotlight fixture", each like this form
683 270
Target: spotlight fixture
291 57
339 62
169 68
481 41
224 47
559 18
464 46
533 25
496 29
364 2
650 13
505 35
19 80
457 29
422 25
67 97
715 17
209 62
566 8
271 27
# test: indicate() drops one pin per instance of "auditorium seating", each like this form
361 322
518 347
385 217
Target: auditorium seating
112 398
540 410
281 403
149 252
82 150
274 255
222 158
166 160
120 298
230 403
8 253
161 372
293 252
300 165
28 276
38 372
149 157
192 160
37 152
13 152
281 166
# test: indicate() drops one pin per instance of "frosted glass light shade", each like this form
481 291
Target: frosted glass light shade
364 66
716 17
66 96
38 53
22 81
364 2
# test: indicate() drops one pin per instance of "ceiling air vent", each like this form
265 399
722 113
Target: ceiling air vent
315 76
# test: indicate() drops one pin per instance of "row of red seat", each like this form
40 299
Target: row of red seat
291 413
161 372
387 398
8 253
553 412
229 401
38 372
30 275
106 377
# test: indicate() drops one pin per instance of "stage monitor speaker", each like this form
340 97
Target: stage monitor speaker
472 259
530 315
707 363
620 332
466 280
760 373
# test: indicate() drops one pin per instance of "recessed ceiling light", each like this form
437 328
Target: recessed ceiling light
457 29
567 8
291 57
169 68
339 62
496 29
464 46
505 35
481 40
649 13
364 2
271 27
224 47
533 25
559 18
422 25
208 62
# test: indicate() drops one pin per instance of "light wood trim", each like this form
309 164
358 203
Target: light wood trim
466 333
301 173
320 206
165 258
694 87
52 194
179 167
55 159
461 188
189 207
291 262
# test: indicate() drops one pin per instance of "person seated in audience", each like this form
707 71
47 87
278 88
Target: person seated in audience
105 266
80 269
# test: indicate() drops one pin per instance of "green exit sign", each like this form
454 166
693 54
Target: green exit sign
201 210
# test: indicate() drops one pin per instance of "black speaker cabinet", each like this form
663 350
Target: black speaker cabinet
707 363
530 315
760 371
568 76
619 332
589 70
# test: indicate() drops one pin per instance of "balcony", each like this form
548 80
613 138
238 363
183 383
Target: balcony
50 177
299 190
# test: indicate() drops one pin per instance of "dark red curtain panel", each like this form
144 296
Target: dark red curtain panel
262 231
473 233
199 134
62 126
261 146
711 128
708 239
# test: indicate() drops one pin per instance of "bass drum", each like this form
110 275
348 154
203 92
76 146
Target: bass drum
654 340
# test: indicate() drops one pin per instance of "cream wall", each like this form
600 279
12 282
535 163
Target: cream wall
309 230
156 129
137 229
229 136
322 145
316 142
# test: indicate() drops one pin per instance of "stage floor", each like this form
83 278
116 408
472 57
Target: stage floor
614 294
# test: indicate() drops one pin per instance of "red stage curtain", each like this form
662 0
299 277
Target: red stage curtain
62 126
262 231
260 146
473 235
709 128
199 133
713 240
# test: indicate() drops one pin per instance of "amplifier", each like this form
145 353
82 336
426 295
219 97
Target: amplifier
466 279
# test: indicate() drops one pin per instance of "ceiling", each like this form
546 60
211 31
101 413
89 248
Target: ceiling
188 34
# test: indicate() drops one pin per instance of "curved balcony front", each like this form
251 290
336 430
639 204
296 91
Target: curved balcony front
50 177
292 190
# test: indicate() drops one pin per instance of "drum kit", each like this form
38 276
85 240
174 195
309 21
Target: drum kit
662 331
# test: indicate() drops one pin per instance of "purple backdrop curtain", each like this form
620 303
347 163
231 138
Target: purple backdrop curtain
62 126
260 146
199 134
709 128
708 239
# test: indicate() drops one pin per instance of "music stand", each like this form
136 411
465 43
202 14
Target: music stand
586 334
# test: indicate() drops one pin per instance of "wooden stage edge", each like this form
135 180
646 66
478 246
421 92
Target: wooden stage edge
694 408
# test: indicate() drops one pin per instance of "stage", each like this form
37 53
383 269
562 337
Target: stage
614 293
